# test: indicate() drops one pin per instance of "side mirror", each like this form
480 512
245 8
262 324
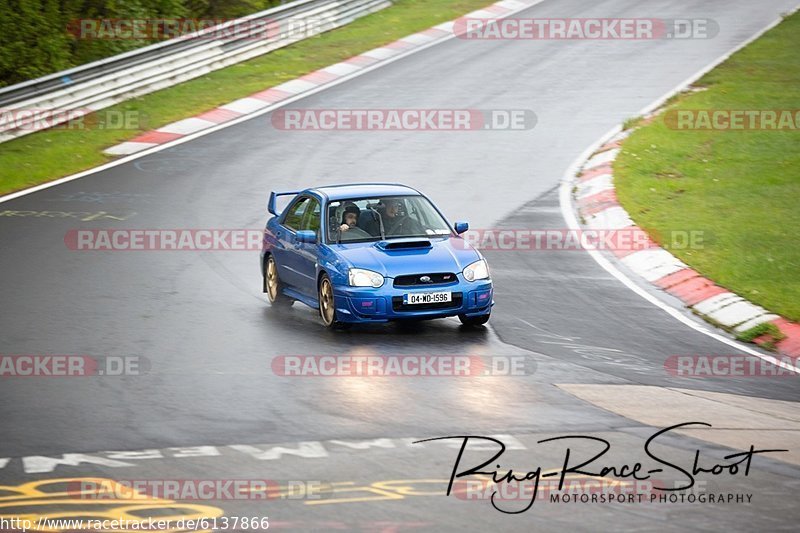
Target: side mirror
461 227
306 236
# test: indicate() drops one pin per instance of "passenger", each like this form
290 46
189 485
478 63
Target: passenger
391 218
396 223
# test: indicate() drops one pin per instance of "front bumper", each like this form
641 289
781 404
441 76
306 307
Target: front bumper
366 304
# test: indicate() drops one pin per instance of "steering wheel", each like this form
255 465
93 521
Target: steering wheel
354 233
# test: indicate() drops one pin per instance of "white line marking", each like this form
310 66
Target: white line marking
341 69
737 313
601 158
753 322
245 105
38 464
381 53
595 185
653 264
709 305
417 38
567 211
480 14
296 86
446 26
123 148
187 126
614 217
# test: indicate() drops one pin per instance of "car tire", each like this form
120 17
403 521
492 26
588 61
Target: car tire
327 307
474 320
273 285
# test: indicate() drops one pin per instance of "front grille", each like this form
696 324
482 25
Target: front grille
412 280
397 304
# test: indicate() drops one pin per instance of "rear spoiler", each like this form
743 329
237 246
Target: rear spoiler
273 196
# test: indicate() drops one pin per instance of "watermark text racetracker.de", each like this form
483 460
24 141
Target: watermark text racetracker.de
410 366
217 29
219 239
730 366
403 119
584 28
589 489
55 365
164 239
98 489
733 119
630 239
34 119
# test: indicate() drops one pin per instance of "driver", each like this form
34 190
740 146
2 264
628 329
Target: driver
350 217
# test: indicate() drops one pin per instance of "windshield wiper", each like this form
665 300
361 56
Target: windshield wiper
412 236
380 222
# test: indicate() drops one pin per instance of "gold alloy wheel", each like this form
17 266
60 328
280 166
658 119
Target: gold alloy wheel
272 279
326 309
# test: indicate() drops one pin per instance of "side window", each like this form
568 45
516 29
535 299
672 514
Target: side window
311 220
294 216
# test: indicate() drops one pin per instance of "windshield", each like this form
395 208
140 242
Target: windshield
383 217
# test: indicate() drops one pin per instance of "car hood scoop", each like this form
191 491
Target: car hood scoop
404 244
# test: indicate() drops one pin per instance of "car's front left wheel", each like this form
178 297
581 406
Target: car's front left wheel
327 308
273 286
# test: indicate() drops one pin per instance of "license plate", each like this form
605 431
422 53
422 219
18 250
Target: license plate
414 298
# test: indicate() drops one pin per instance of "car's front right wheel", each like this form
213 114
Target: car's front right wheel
273 286
474 320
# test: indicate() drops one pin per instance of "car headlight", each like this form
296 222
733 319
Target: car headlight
365 278
477 270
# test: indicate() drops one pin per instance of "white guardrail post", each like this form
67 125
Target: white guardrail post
51 100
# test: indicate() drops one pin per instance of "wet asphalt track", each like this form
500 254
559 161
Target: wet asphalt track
210 336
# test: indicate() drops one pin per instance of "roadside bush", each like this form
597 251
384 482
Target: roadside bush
35 39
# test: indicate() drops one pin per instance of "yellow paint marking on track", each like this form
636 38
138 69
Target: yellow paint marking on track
290 492
378 495
28 499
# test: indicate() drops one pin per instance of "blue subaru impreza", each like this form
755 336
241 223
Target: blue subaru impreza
372 252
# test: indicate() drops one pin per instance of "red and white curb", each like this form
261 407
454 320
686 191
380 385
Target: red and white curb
260 100
597 204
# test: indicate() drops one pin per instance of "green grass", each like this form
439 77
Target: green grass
48 155
632 122
774 335
741 188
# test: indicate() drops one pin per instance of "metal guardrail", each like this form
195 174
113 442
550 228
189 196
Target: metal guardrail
62 96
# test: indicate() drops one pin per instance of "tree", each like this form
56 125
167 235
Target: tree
38 37
32 40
